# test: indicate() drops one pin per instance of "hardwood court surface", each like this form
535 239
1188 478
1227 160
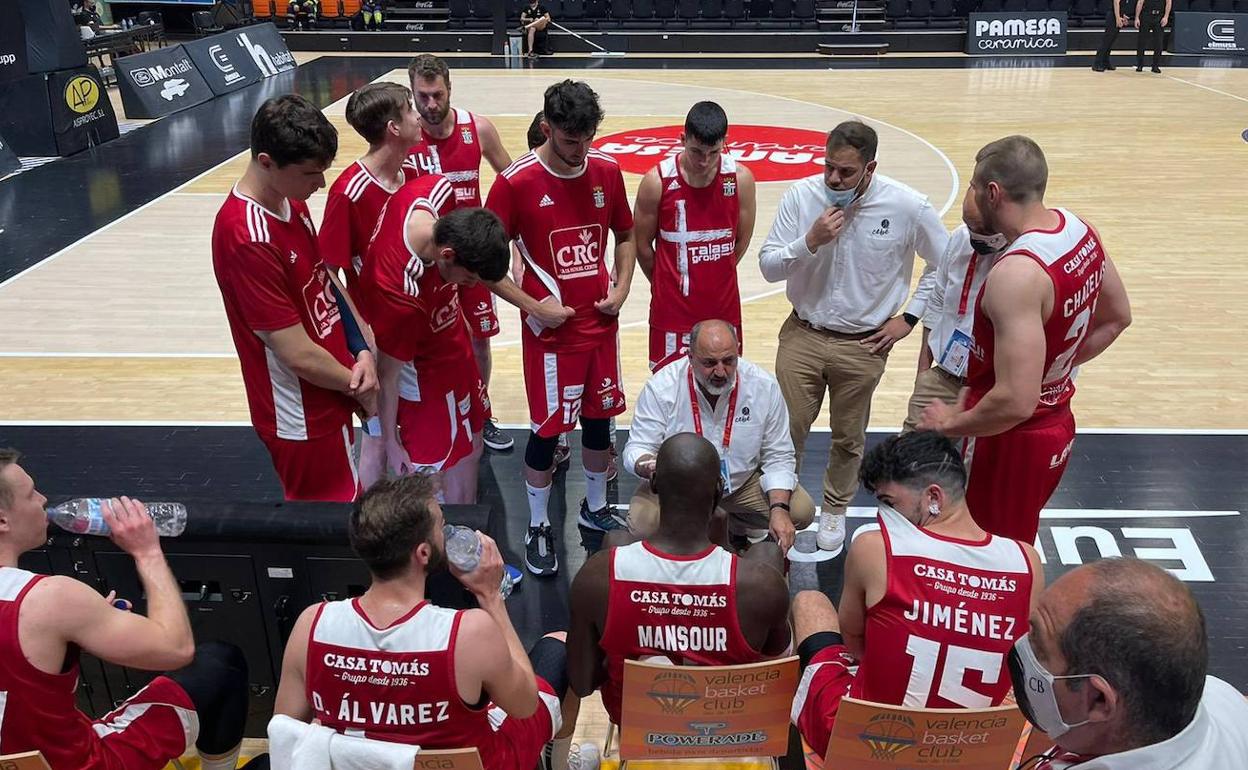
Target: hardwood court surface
127 324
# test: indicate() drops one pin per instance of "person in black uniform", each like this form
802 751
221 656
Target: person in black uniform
534 20
1117 16
1151 18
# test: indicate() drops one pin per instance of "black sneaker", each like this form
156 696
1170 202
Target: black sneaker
539 551
1157 70
495 438
1110 67
604 519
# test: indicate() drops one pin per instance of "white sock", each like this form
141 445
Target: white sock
559 749
222 762
539 499
596 490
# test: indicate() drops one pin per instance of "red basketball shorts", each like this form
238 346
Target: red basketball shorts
1012 475
562 386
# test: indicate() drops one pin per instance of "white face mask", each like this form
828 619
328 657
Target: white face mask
1033 688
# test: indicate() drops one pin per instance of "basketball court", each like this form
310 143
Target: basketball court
120 372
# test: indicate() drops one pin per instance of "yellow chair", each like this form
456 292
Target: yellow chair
702 712
30 760
873 736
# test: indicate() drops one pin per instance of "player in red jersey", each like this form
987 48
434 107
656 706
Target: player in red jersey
305 365
1052 301
383 115
453 141
447 672
745 598
559 202
932 604
694 217
46 621
433 404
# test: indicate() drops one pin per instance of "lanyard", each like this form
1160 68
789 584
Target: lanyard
732 410
966 287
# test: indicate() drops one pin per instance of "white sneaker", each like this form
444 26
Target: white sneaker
584 756
831 534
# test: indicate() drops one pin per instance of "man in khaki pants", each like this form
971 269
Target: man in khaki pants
948 324
739 408
844 240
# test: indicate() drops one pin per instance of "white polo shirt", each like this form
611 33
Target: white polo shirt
951 307
1216 739
861 278
760 429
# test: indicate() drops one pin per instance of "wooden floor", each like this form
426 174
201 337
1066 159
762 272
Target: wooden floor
1156 162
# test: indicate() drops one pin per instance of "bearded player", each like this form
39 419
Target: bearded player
1052 301
694 220
453 141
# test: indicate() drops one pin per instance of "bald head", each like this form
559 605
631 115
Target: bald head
713 355
1017 165
686 477
1141 629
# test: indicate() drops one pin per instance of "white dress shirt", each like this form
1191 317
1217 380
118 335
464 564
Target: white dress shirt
760 431
861 278
951 306
1215 739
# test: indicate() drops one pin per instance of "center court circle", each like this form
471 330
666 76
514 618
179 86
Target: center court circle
773 153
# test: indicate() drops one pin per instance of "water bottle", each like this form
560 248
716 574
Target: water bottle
85 516
463 549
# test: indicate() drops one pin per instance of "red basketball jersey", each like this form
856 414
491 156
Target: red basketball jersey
415 314
560 225
39 711
1075 262
271 276
680 607
355 201
950 614
393 684
695 250
456 157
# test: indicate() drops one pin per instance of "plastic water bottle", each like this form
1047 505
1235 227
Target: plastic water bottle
463 549
85 516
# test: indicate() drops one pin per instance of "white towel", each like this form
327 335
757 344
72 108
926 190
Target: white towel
298 745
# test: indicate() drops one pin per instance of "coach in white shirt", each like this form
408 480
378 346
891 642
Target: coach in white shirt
845 240
736 406
949 323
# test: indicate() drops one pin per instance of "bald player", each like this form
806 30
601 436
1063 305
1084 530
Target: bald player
745 598
1114 670
1052 302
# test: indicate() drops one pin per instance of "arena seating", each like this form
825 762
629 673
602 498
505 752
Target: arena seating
676 15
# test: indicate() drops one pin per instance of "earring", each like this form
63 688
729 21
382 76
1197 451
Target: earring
933 509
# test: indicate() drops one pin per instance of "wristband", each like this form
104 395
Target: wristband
910 319
783 506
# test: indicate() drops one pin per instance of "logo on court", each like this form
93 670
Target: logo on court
773 153
81 94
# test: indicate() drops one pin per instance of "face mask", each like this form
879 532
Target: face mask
1033 688
988 244
842 198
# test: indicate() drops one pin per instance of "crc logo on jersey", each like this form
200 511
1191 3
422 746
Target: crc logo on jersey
600 197
577 251
773 153
446 313
319 299
465 133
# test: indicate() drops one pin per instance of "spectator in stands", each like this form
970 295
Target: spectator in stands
1114 670
301 14
471 680
1151 18
87 17
371 11
534 19
1118 15
46 621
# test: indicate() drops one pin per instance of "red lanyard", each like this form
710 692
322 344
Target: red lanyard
966 287
732 410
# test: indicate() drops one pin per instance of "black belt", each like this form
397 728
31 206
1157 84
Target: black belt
829 332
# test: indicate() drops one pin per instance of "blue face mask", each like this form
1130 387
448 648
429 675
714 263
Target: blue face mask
842 198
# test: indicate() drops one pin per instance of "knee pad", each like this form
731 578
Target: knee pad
596 434
550 658
539 453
